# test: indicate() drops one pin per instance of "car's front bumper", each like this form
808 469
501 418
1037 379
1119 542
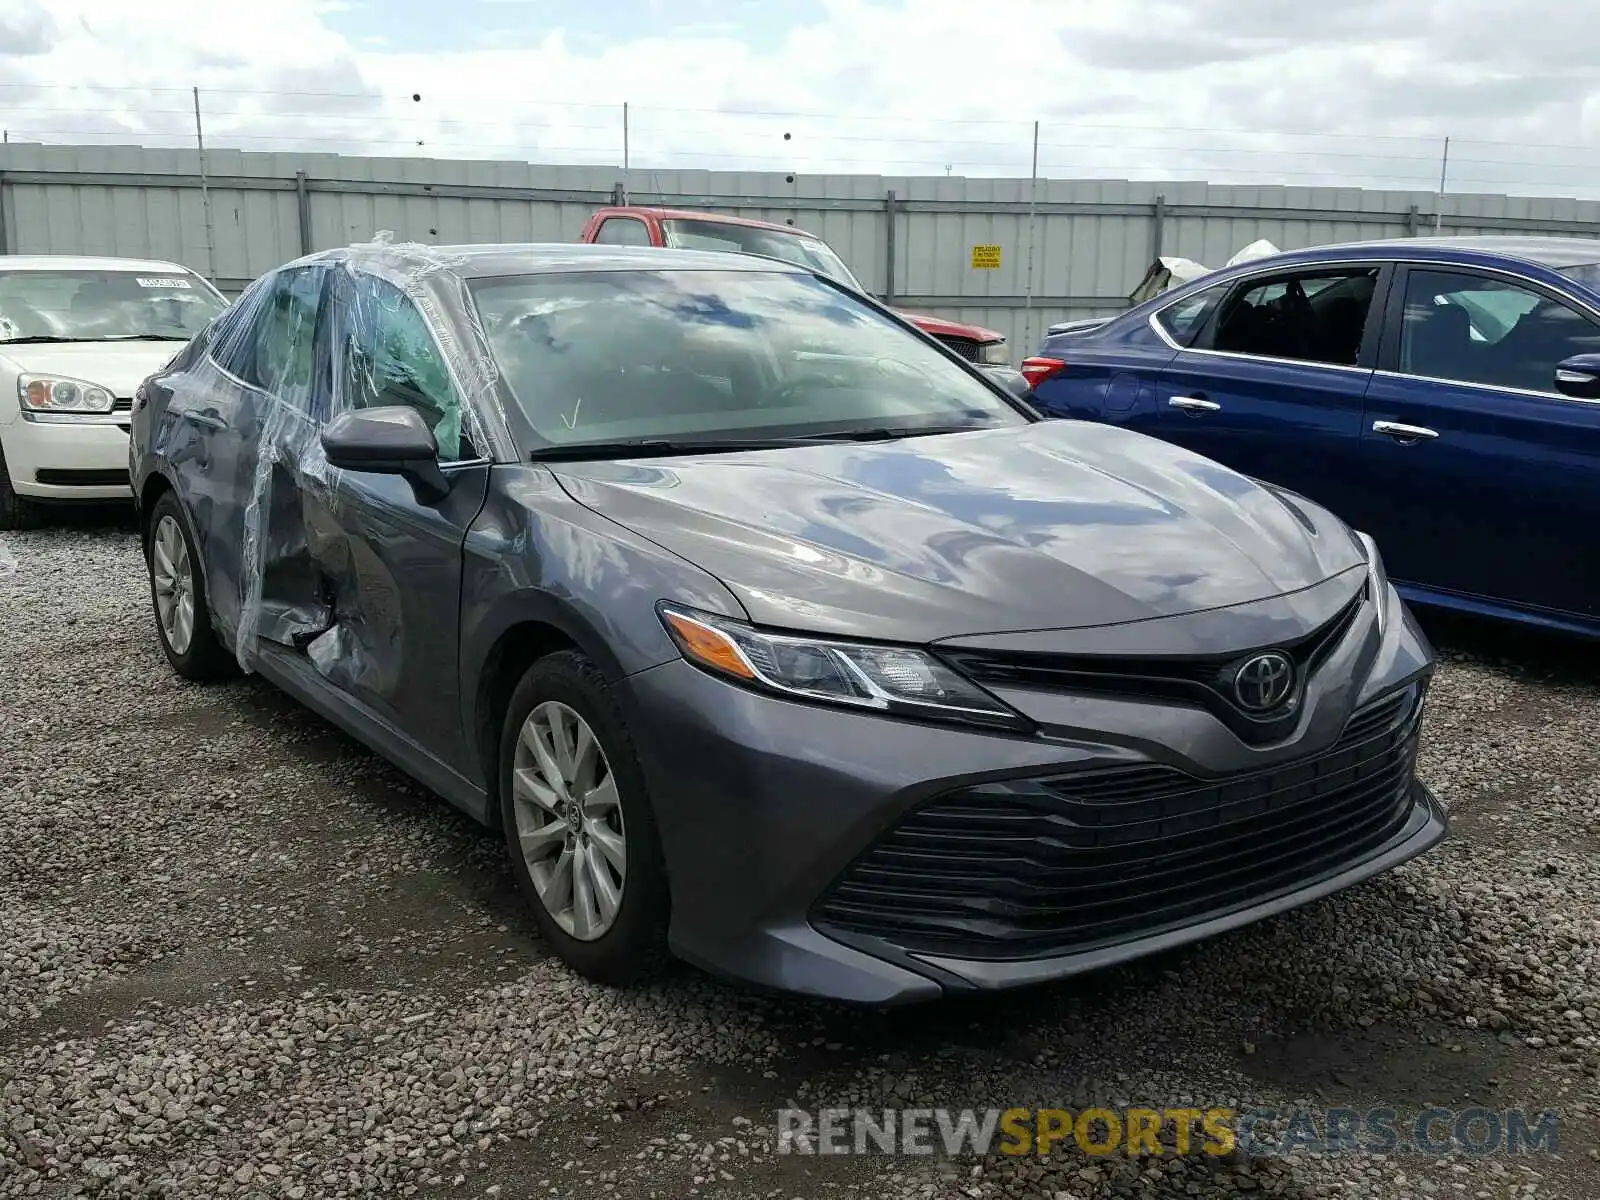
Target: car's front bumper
764 805
80 458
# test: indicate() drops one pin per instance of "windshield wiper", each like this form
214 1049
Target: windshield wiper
893 433
660 447
40 339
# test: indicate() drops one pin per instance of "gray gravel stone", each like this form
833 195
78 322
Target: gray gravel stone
241 957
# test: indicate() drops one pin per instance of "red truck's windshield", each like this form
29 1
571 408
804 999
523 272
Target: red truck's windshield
799 248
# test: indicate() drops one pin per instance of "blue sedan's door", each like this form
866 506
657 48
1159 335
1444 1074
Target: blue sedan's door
1275 385
1489 479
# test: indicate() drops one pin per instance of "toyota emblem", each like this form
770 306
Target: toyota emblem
1264 681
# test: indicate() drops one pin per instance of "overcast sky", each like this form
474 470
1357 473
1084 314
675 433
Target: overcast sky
1350 92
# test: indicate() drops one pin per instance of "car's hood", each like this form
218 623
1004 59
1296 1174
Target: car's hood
941 327
120 366
1056 525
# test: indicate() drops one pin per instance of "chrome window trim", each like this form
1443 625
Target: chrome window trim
1584 306
1487 387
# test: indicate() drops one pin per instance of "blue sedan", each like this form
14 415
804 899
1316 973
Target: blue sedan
1442 394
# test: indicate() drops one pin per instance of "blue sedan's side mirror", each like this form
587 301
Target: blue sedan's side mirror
1579 377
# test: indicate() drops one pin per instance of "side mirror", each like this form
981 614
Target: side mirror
1579 377
393 440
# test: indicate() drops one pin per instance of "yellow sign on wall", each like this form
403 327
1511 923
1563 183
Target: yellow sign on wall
986 258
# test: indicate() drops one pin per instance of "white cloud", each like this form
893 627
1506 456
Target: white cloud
1237 91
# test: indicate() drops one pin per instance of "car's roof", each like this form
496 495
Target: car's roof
1554 252
544 258
77 262
684 214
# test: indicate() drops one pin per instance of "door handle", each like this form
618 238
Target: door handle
1404 433
1193 404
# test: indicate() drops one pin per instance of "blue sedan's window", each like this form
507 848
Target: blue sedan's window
1317 316
1482 329
605 356
1183 319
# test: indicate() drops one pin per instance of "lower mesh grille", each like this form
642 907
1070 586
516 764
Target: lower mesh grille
1030 868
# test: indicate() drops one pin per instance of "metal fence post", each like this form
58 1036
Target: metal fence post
891 212
302 197
1413 221
5 230
1158 222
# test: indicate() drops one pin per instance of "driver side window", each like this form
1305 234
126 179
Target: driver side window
388 356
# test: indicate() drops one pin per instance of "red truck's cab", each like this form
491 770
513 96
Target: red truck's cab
636 226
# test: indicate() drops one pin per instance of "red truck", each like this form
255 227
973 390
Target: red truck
683 230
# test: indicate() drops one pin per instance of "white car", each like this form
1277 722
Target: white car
77 336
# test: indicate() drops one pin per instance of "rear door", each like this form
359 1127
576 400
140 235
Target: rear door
239 474
1488 479
1274 386
1111 375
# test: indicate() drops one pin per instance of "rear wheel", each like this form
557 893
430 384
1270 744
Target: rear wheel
579 825
16 512
183 619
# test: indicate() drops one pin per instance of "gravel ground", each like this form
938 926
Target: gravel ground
240 956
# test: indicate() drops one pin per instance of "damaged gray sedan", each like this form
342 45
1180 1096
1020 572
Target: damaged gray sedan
768 632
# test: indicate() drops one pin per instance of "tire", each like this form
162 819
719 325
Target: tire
201 657
632 946
16 512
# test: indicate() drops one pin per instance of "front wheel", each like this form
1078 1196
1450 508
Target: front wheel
183 619
16 512
579 824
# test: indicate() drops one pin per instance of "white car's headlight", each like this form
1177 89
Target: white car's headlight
897 680
60 394
996 354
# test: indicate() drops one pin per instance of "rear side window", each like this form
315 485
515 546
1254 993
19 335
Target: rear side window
1184 319
1314 316
267 339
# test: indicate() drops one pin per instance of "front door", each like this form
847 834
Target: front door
1489 479
392 564
1274 385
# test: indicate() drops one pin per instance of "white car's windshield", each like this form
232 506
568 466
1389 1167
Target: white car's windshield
718 355
799 248
95 306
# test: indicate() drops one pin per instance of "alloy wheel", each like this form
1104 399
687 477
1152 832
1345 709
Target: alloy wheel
569 820
174 585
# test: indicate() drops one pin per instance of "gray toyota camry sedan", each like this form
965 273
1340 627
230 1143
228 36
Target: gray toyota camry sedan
769 633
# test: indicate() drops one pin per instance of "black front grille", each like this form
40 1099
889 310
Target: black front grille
122 404
1203 682
1035 867
966 347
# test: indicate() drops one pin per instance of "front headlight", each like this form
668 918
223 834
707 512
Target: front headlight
898 680
1377 577
995 354
60 394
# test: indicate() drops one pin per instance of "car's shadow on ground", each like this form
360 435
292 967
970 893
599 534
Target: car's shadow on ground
1525 650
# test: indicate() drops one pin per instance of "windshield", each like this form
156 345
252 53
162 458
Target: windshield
1587 274
799 248
90 306
707 355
